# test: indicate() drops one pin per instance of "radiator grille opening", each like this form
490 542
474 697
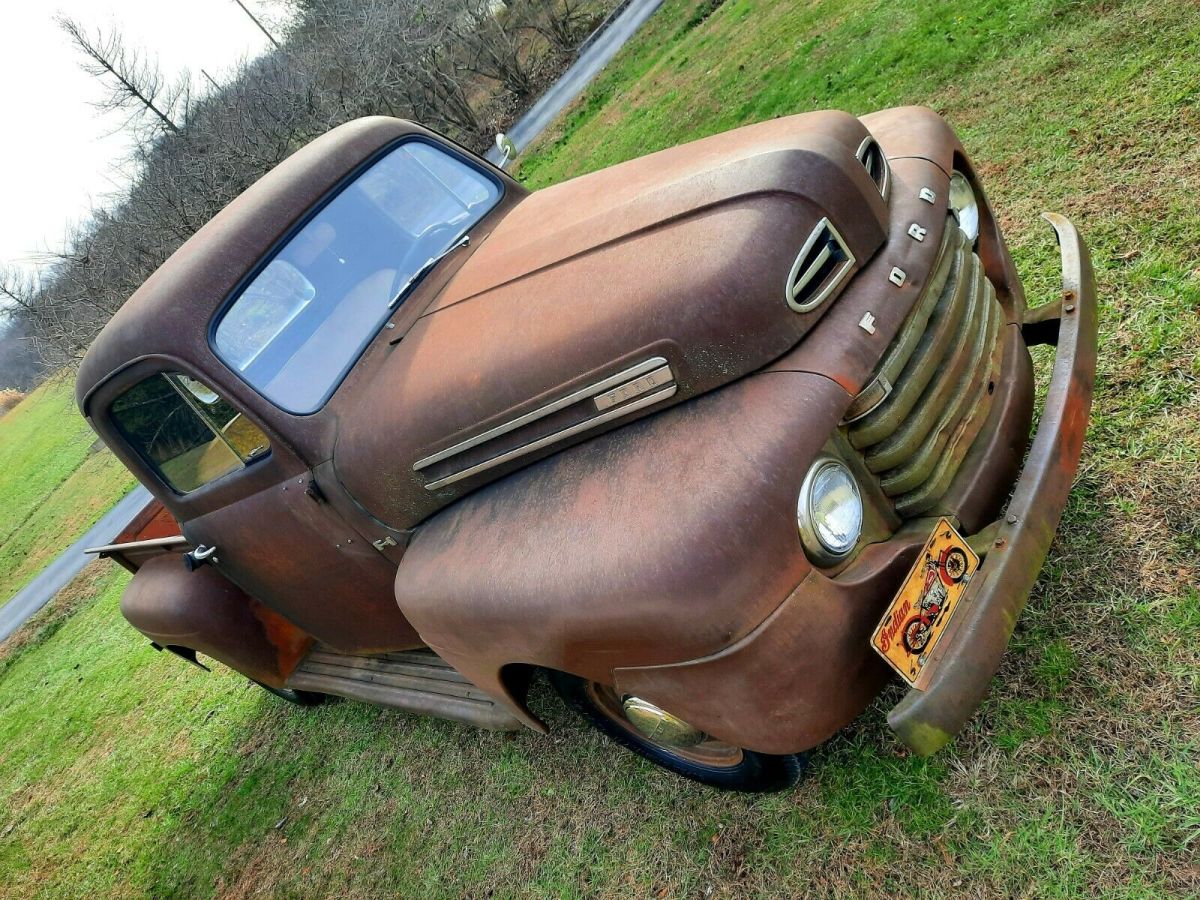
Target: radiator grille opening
917 418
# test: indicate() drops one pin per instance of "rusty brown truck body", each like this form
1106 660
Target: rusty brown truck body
677 432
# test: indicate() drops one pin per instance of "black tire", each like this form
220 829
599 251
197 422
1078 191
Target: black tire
751 772
917 644
958 565
300 698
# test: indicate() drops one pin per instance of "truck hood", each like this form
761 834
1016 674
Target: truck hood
603 299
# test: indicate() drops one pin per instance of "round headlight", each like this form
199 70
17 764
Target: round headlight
964 205
829 511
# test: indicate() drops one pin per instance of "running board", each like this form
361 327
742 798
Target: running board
416 681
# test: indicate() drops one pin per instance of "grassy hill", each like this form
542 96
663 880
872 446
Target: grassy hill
55 482
124 772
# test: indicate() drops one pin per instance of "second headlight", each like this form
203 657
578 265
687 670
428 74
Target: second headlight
964 205
829 512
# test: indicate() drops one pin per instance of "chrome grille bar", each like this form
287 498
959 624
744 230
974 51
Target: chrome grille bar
933 390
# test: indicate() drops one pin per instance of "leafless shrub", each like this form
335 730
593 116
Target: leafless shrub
490 39
564 23
9 397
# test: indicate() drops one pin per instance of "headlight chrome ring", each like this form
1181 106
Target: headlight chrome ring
829 512
964 205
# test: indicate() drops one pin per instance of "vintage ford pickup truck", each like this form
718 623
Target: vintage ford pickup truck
720 438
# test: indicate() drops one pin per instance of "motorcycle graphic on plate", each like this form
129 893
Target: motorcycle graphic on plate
949 568
922 608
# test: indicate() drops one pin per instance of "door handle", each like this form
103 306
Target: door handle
198 557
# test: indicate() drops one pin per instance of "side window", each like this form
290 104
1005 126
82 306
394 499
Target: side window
185 430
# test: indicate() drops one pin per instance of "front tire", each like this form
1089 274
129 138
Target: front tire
711 762
299 698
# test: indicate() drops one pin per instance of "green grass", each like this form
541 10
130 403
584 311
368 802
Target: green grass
54 482
125 772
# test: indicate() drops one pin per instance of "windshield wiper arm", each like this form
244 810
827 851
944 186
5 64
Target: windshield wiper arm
426 267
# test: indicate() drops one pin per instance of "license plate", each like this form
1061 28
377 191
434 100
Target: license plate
927 600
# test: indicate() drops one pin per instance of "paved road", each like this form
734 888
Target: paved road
594 57
56 576
603 47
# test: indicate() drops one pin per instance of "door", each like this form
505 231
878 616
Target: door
276 538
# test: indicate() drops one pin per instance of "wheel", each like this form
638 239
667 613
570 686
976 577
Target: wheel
916 634
300 698
954 565
708 761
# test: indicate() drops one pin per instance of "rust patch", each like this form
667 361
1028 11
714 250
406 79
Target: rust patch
290 643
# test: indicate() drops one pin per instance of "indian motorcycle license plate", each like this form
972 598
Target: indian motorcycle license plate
925 603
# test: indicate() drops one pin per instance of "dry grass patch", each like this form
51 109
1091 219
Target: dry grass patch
9 398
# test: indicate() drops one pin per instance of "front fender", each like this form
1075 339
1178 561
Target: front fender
205 612
657 543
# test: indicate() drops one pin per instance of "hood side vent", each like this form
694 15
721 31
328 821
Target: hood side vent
870 154
823 265
587 408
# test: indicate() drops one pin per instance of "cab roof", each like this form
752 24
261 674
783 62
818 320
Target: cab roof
169 314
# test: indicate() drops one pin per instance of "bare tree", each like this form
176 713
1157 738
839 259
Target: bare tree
20 364
462 67
396 57
18 288
261 27
491 43
22 302
136 85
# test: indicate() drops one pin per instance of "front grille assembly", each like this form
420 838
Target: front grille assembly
929 397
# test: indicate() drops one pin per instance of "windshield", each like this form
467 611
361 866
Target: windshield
299 325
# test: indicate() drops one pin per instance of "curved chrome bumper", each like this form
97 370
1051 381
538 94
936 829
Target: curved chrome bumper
957 677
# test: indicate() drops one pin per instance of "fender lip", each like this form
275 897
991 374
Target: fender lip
956 679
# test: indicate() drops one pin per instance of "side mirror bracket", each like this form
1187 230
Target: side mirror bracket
506 147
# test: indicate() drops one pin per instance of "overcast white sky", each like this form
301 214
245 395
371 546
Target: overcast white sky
57 152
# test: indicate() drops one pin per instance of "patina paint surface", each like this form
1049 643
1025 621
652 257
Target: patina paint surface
654 549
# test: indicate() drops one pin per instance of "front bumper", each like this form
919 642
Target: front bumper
955 679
